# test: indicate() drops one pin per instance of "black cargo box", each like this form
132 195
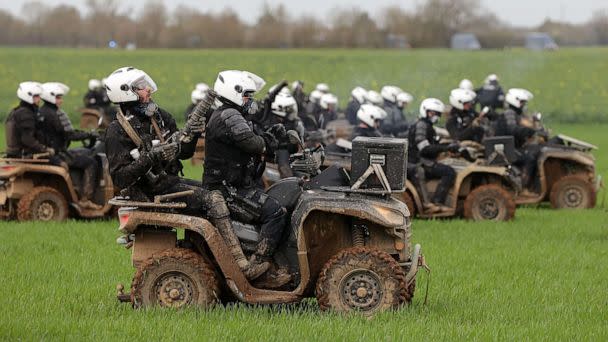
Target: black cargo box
391 153
500 150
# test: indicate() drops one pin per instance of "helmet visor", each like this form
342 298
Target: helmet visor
143 83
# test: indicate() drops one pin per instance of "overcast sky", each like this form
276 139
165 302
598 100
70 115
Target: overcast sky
516 12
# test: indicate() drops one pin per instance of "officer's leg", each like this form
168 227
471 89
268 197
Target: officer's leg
447 176
283 163
88 165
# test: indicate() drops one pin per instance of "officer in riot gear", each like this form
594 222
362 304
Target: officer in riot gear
423 150
20 124
55 129
463 122
395 123
491 94
352 108
234 163
144 148
370 119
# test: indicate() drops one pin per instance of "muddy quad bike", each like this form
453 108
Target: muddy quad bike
33 189
349 247
342 128
480 192
565 171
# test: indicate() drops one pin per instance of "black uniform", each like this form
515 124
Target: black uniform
96 99
20 131
285 149
365 131
509 124
490 95
55 130
395 123
300 97
146 177
460 125
423 149
233 158
352 108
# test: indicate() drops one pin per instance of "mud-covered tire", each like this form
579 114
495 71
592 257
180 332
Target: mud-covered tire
406 197
176 278
361 279
572 192
42 203
489 202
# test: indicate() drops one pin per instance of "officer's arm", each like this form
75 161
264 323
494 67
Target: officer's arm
428 149
186 150
123 168
241 134
27 129
452 126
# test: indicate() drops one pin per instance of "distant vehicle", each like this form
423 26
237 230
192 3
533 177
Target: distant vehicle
540 41
465 41
397 41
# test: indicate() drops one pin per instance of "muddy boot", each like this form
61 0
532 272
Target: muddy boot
219 216
431 208
88 188
276 277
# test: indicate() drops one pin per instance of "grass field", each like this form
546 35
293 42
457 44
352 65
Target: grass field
569 85
542 276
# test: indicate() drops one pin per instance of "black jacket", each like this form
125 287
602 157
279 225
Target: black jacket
395 122
423 144
509 124
351 111
232 150
129 173
490 95
460 125
20 131
52 132
366 131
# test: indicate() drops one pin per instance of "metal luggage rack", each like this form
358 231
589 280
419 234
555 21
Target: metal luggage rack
156 204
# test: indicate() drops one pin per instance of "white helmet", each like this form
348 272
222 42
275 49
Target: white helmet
389 93
458 97
315 96
231 85
296 84
27 91
368 114
322 87
285 106
517 97
284 90
374 97
202 87
403 99
431 104
327 100
94 84
51 90
491 78
122 83
359 94
466 84
197 96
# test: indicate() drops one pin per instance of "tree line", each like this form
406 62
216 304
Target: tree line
431 24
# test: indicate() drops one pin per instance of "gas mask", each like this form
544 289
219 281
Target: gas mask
435 119
147 109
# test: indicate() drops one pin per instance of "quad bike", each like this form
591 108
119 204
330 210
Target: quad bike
480 192
33 189
348 246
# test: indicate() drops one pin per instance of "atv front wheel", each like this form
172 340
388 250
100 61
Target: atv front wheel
572 192
43 203
361 279
175 278
489 202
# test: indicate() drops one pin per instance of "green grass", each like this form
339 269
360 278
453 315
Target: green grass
569 85
542 276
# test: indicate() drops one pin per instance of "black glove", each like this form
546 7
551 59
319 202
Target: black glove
164 152
271 143
93 135
278 131
454 147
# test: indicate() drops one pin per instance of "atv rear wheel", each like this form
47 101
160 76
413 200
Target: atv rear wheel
175 278
361 279
572 192
43 203
489 202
